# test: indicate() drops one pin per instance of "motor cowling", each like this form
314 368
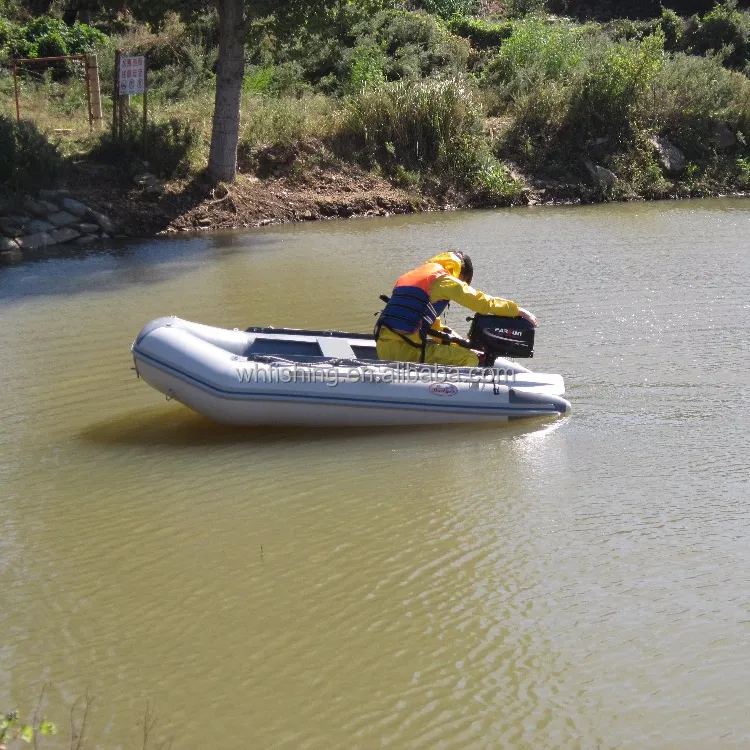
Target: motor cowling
502 337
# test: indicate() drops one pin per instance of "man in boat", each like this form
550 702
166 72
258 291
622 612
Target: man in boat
420 296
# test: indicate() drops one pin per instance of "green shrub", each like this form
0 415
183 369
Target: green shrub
415 124
523 8
52 45
7 32
282 121
724 31
450 8
672 27
537 52
607 99
170 146
28 158
691 95
536 135
50 35
743 172
414 44
367 66
258 79
482 34
430 127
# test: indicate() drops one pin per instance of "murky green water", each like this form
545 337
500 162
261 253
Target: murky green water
579 583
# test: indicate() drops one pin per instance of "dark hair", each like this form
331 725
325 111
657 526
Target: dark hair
467 267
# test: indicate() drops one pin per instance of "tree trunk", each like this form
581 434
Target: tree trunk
222 159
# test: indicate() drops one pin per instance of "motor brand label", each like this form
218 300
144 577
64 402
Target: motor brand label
443 389
508 332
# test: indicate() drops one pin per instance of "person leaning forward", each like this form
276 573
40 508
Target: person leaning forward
420 297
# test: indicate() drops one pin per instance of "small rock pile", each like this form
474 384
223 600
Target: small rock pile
54 218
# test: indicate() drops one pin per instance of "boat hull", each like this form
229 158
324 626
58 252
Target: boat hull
210 371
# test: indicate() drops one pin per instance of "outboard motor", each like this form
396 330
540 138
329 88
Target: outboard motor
502 337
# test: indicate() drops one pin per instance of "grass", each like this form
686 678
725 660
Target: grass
396 95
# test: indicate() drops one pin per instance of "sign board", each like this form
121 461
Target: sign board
132 75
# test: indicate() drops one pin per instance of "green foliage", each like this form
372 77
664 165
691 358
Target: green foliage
415 44
537 52
367 66
523 8
413 123
724 31
360 48
258 79
282 121
7 32
429 126
671 26
28 158
691 95
607 97
482 34
449 8
743 172
49 37
170 146
13 729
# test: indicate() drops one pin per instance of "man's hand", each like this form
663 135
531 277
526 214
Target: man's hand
527 315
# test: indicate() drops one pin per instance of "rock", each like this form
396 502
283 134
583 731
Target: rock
35 208
38 225
86 239
103 221
7 244
64 235
12 226
670 158
601 175
150 184
35 241
53 195
74 207
11 256
49 207
723 136
86 228
61 219
204 221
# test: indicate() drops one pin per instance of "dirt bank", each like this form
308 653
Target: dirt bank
285 185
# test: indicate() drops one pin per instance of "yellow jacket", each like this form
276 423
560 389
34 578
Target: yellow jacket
451 288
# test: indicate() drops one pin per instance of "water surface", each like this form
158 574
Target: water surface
571 583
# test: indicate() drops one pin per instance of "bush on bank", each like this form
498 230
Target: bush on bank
410 90
27 156
432 127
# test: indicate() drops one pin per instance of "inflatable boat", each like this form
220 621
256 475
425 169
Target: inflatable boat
281 376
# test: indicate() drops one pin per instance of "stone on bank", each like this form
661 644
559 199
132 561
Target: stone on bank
54 218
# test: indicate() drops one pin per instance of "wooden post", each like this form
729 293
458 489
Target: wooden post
145 107
116 94
18 94
123 111
94 89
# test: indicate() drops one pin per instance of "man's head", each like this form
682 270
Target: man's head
456 263
467 267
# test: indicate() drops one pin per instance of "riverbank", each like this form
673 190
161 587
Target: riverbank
306 182
397 111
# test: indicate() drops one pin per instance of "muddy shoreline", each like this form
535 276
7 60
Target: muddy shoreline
310 193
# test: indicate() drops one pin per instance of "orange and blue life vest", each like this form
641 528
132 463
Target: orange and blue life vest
409 310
